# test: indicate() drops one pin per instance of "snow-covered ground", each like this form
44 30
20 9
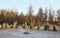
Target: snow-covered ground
18 33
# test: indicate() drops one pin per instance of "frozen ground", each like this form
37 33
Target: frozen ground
18 33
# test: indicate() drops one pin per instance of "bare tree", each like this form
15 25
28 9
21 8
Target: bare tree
50 16
40 15
30 16
58 11
58 18
45 15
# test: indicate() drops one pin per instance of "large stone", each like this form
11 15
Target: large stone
46 27
41 27
7 25
50 26
31 26
20 27
15 24
35 27
23 25
11 26
4 24
0 26
54 28
38 27
26 26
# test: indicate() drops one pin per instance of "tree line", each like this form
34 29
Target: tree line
10 16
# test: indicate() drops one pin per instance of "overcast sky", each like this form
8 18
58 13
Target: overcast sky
22 5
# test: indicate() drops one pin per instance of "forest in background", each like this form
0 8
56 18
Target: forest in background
10 16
